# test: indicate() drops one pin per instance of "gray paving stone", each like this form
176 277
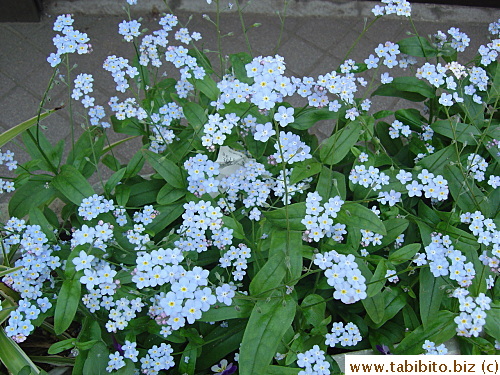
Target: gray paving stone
300 56
17 106
324 32
6 84
18 57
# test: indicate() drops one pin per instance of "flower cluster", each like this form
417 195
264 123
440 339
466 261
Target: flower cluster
252 182
434 187
368 237
70 41
129 29
487 234
431 348
188 298
162 135
95 205
7 158
98 277
345 336
489 52
36 265
157 358
476 166
197 219
436 76
343 274
287 190
217 128
290 149
370 177
314 362
398 129
459 40
440 253
319 218
236 257
398 7
121 312
472 317
120 70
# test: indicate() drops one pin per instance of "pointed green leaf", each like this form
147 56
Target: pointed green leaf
13 357
404 254
335 148
66 305
72 185
288 217
361 217
267 325
13 132
430 295
417 46
440 329
166 168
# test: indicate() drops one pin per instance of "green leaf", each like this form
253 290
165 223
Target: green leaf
111 162
410 116
465 192
492 326
404 254
13 132
187 364
381 114
37 217
13 357
464 133
97 360
361 217
219 343
410 88
294 212
430 295
378 279
395 300
267 324
269 276
238 309
195 115
168 194
304 169
207 86
417 46
114 180
280 370
375 308
72 185
135 165
166 168
144 192
440 329
66 305
335 148
238 62
34 193
437 161
313 307
310 116
128 369
168 214
235 225
130 126
61 346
